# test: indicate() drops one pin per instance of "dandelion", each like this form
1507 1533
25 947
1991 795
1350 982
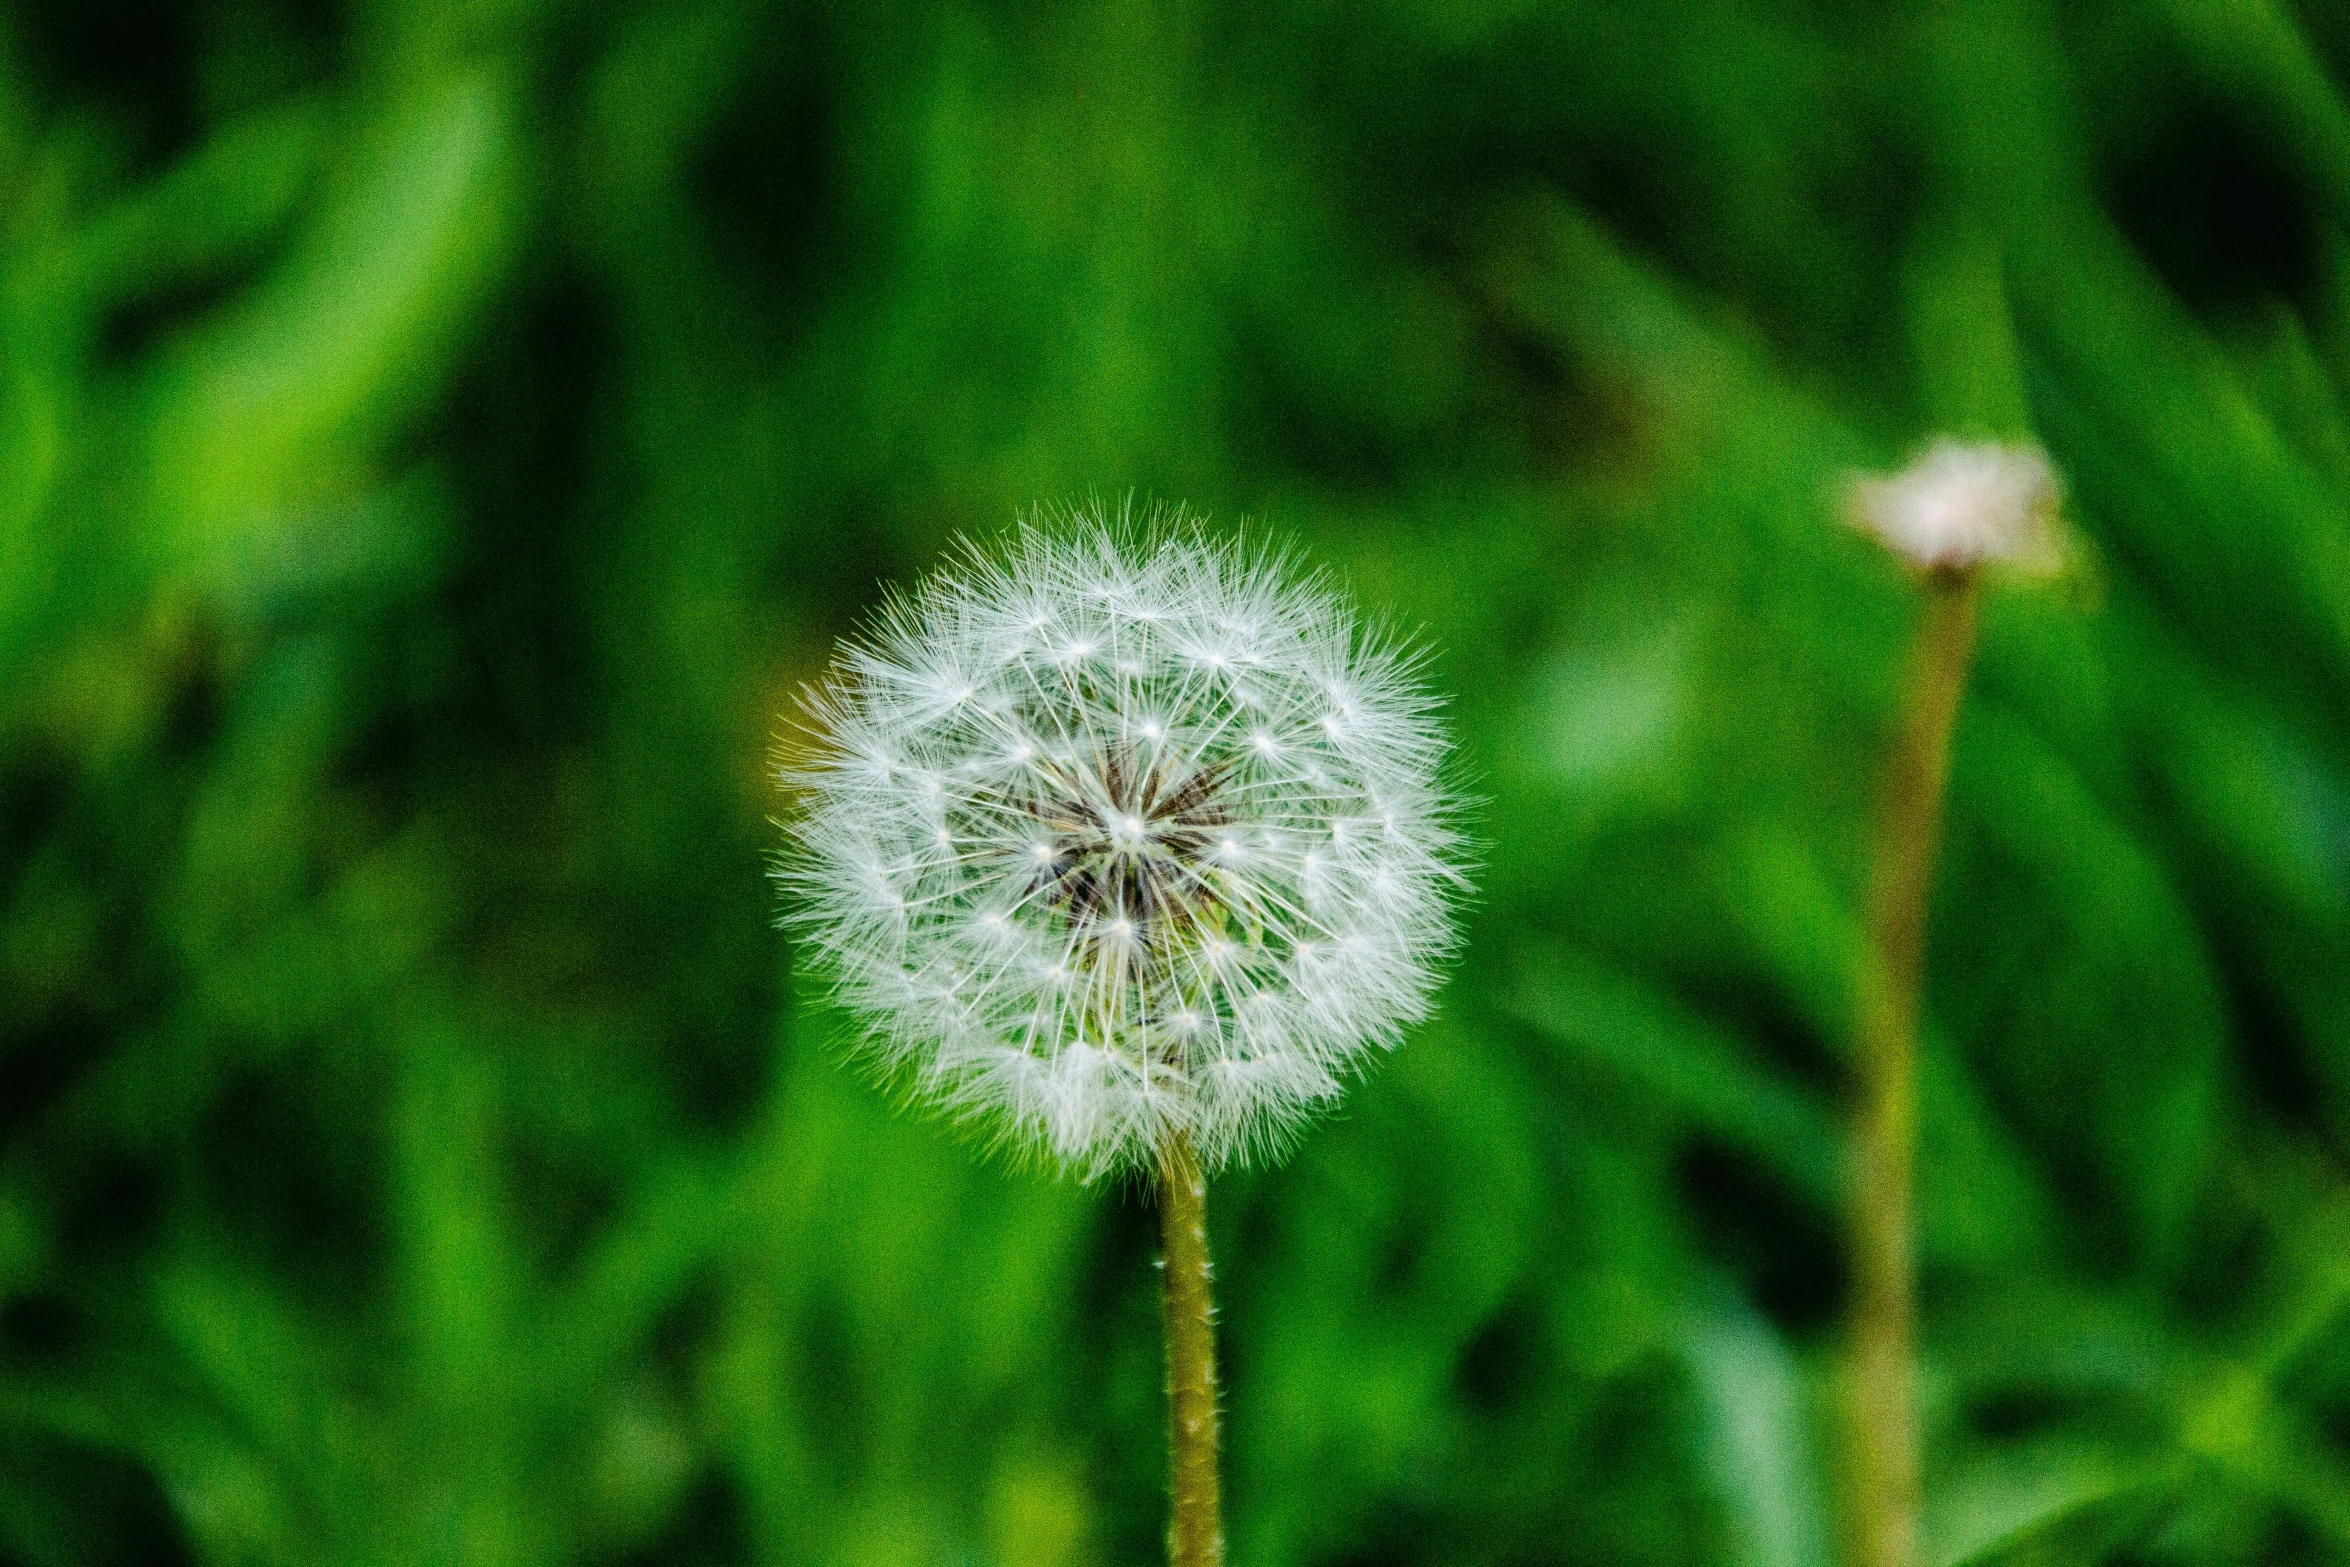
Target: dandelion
1955 510
1128 847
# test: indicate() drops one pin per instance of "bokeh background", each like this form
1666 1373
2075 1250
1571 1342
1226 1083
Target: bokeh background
436 440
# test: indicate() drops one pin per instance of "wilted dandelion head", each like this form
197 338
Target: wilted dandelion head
1962 504
1114 836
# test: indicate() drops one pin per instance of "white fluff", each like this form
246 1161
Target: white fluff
1961 504
1113 836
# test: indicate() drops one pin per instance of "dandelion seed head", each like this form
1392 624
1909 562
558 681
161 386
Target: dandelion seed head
1110 836
1964 504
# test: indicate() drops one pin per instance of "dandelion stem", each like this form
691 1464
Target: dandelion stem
1195 1532
1884 1414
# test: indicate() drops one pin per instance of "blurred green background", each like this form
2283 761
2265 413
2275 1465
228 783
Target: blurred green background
436 440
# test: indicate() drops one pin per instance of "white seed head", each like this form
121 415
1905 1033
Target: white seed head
1963 504
1113 836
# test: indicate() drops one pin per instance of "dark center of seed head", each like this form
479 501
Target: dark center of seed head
1128 840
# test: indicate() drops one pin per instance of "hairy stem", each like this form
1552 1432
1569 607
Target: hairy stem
1884 1413
1195 1531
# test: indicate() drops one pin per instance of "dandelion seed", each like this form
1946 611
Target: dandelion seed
1106 837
